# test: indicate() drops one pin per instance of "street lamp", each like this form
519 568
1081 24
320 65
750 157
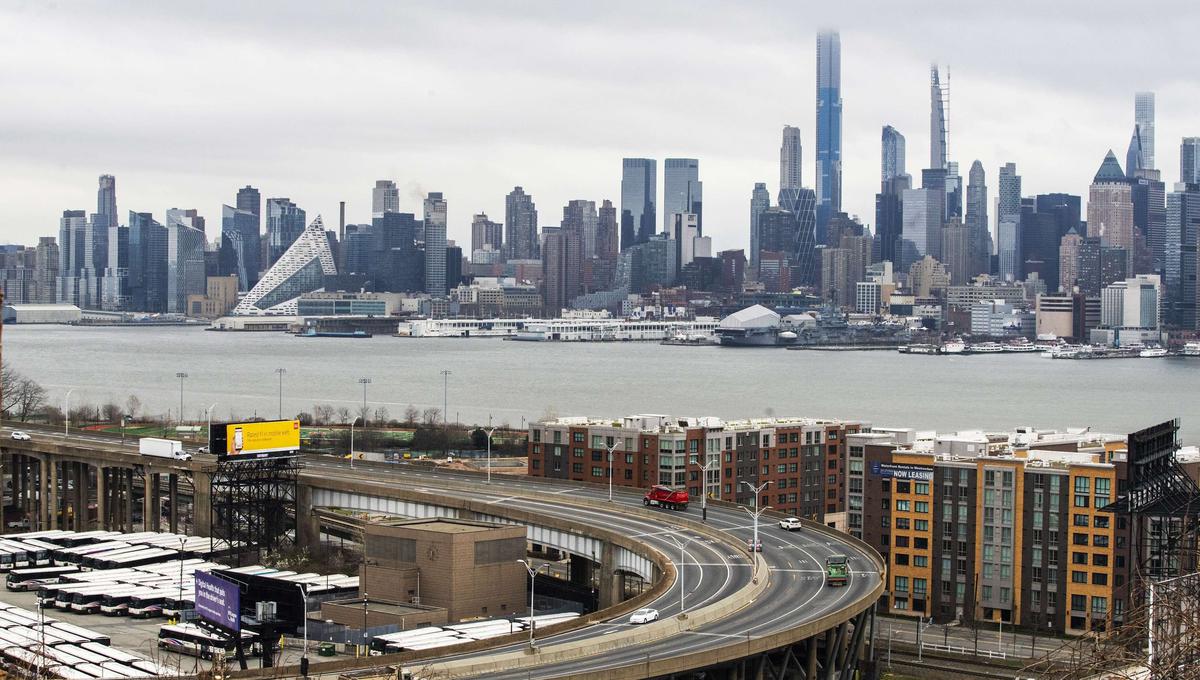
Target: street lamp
67 412
445 392
489 432
304 614
532 582
208 433
352 441
756 513
182 543
181 375
364 382
682 544
281 371
704 487
616 443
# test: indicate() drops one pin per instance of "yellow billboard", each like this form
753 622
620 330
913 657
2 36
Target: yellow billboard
256 439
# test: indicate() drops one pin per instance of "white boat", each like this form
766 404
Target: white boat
1020 346
954 347
1153 352
1191 349
986 348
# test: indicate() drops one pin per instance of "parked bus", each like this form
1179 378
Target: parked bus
135 558
12 557
190 639
116 603
67 595
22 580
37 552
89 602
147 604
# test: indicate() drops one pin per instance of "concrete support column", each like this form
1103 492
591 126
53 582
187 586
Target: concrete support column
173 497
611 590
128 474
201 503
150 511
581 570
101 501
52 494
85 493
308 529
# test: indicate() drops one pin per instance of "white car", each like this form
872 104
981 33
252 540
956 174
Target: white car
790 524
643 616
21 436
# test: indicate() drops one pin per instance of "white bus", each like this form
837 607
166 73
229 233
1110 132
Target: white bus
22 580
190 639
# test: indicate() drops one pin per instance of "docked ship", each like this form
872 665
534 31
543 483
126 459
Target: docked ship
1153 353
758 326
1191 349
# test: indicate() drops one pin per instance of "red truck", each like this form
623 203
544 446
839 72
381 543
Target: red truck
666 497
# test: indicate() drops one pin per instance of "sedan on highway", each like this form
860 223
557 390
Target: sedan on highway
643 616
21 436
790 524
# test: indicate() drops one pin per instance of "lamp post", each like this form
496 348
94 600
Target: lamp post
364 382
352 441
704 487
532 582
445 393
182 542
304 615
181 375
122 429
67 413
208 433
682 556
489 432
755 513
281 371
611 449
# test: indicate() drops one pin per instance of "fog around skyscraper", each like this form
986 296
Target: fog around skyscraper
530 72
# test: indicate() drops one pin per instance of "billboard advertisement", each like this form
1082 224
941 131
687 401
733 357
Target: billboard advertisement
218 601
916 473
230 441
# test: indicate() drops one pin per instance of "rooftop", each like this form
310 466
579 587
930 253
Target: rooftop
441 525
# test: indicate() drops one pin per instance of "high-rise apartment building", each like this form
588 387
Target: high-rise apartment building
829 128
956 252
385 197
1180 259
579 216
561 266
891 162
937 120
639 191
1143 117
607 234
486 233
1110 206
185 258
1148 194
520 225
977 220
760 201
303 268
285 223
894 180
73 257
1189 160
241 240
1068 261
435 244
1008 222
45 269
682 190
790 159
106 202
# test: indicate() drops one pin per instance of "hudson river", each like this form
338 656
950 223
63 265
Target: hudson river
515 380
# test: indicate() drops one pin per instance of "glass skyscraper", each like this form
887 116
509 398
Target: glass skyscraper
1143 117
829 128
435 244
639 191
682 190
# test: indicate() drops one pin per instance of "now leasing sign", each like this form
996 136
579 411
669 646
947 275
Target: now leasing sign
218 601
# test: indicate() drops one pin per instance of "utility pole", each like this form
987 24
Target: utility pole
756 513
181 375
281 371
445 393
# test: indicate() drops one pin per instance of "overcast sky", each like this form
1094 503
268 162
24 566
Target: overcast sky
187 101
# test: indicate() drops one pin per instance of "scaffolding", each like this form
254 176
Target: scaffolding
253 504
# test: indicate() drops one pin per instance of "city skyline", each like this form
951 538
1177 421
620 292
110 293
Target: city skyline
318 162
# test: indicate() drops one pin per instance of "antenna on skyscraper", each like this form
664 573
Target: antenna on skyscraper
946 109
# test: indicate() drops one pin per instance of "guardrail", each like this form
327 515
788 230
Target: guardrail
951 649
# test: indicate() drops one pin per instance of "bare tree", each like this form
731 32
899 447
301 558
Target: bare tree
110 412
363 413
343 414
132 406
431 416
9 379
29 398
323 414
410 415
381 415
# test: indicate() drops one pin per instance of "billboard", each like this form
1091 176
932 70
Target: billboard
233 441
917 473
218 601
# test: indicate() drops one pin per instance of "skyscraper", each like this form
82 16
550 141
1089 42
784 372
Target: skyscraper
486 233
560 268
682 190
106 201
301 269
956 252
579 216
922 231
1180 266
385 197
1148 194
1008 223
978 234
1110 206
72 253
239 234
147 263
760 201
250 200
937 120
607 245
1143 117
892 163
185 259
829 128
639 189
1068 260
1189 160
435 244
285 223
520 225
790 159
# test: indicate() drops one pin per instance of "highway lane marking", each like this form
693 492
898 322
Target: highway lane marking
796 571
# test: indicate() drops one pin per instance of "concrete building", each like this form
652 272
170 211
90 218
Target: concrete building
1110 206
1134 303
927 278
486 234
41 314
1055 315
956 252
791 159
520 226
219 299
998 318
385 198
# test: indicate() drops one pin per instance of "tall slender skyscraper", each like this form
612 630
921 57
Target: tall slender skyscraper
892 163
579 216
682 190
1189 160
435 244
829 128
1008 223
760 201
520 225
185 258
790 159
977 220
385 197
639 191
1135 155
1110 207
106 201
1143 117
607 246
937 120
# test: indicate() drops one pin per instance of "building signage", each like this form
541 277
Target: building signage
235 441
218 601
918 473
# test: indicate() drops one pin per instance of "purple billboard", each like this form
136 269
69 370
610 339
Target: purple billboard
218 601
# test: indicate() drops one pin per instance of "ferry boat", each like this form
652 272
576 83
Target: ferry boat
1021 345
461 328
1191 349
612 330
986 348
1153 353
954 347
311 332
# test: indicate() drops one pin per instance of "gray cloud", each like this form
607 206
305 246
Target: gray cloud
187 102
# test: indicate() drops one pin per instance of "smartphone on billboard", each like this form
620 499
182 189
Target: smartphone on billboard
237 440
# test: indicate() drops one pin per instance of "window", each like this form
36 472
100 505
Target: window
1008 479
902 487
900 603
902 505
902 523
901 559
577 437
902 541
1079 539
597 472
921 525
901 584
921 506
597 441
1082 484
1099 560
1005 593
1081 520
1099 605
1079 558
1099 579
986 591
921 543
921 488
920 561
1078 577
1100 521
1078 603
577 468
1100 541
918 586
1081 501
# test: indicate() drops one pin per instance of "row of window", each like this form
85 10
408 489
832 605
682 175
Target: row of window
900 585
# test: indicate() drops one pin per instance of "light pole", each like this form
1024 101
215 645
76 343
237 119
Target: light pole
755 513
611 449
67 413
208 433
281 371
704 487
181 375
304 614
352 441
489 432
445 393
364 382
122 429
182 542
532 582
682 556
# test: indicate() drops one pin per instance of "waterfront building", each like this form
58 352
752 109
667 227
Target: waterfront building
219 298
301 269
829 129
1143 117
520 226
1133 303
999 318
760 201
1110 206
791 159
435 244
385 197
285 223
682 190
639 191
1055 315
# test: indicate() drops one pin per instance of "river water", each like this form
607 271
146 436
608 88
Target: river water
515 381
